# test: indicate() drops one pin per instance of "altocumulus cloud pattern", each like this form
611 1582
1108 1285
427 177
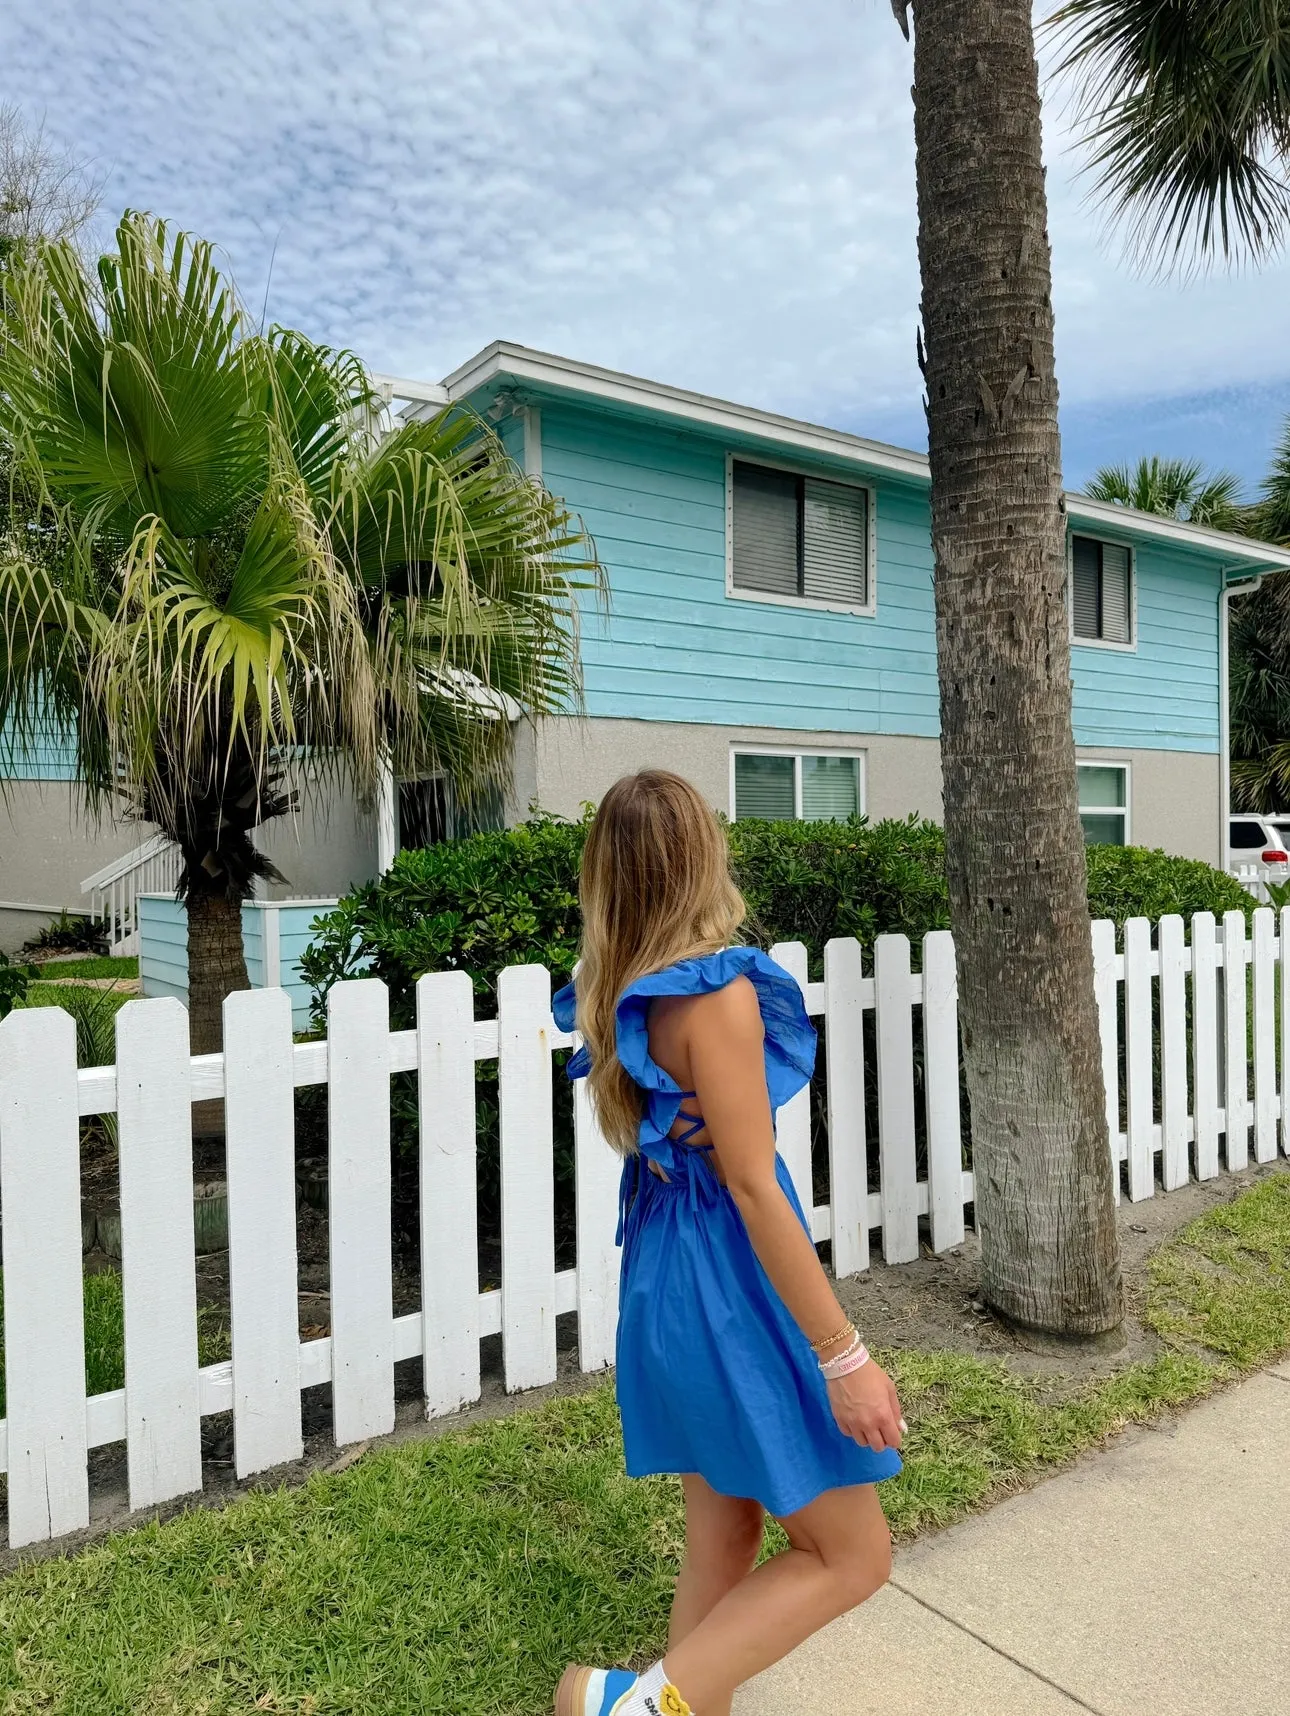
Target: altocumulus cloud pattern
717 193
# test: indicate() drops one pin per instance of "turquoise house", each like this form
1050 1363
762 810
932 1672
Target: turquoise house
770 634
771 630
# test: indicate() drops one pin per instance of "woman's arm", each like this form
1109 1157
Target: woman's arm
725 1042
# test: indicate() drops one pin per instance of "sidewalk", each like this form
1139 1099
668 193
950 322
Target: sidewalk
1148 1580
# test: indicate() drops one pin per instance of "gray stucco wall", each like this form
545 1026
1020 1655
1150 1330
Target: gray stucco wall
1174 794
48 846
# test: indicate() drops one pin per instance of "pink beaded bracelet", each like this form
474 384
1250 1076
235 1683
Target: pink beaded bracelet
852 1359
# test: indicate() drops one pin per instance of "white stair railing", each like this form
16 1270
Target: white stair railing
152 868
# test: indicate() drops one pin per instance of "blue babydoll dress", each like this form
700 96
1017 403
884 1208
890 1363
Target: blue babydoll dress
714 1375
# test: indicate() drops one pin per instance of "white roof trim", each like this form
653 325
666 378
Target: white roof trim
566 375
1108 515
545 369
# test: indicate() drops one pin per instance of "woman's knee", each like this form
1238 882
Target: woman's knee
726 1548
864 1569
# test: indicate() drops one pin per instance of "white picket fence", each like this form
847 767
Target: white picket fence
51 1425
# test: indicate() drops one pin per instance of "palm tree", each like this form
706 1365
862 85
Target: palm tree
231 589
1185 105
1175 488
1259 660
1019 907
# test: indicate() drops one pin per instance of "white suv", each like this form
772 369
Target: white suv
1263 841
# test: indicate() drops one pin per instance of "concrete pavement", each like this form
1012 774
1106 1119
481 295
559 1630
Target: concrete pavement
1148 1580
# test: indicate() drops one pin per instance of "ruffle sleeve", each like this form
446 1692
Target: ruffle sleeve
789 1044
564 1010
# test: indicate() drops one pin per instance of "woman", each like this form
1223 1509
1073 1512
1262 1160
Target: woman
737 1368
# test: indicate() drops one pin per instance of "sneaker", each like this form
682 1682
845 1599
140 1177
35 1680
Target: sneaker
592 1691
605 1691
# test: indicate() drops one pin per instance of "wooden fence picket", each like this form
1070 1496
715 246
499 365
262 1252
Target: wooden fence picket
260 1152
528 1176
1264 974
158 1251
449 1267
793 1122
1204 1042
358 1210
1106 993
1138 1047
597 1172
1174 1120
845 1060
1236 1145
44 1323
896 1141
941 1090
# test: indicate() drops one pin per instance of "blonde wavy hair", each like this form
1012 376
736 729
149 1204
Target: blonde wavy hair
655 888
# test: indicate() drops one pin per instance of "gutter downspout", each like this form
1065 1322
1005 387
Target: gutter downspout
1244 587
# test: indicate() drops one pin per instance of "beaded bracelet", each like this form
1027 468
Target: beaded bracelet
827 1365
847 1328
851 1360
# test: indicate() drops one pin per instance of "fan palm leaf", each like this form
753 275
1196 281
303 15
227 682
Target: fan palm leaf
1185 105
215 567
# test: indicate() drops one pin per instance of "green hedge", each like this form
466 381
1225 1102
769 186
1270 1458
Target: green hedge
510 898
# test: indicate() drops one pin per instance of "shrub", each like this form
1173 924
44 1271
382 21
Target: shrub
1133 882
70 932
510 898
15 980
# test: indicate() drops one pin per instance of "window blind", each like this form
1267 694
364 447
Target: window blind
1085 576
830 788
1101 594
799 536
1115 592
764 786
835 541
766 530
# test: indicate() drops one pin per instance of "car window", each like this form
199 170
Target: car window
1245 836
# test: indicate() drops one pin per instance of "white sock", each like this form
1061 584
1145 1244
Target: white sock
653 1695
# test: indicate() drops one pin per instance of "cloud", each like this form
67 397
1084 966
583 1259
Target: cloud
717 193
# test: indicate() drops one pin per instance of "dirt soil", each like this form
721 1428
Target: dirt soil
933 1303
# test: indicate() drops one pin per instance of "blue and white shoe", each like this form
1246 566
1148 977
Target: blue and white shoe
612 1692
592 1691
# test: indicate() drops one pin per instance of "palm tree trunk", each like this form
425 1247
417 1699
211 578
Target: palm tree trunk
1015 855
216 967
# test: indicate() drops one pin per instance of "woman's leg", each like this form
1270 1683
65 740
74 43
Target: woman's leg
840 1554
723 1537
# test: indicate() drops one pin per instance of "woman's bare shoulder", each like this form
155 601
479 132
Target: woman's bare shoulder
730 1011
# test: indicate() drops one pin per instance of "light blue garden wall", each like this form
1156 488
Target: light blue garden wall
675 647
163 948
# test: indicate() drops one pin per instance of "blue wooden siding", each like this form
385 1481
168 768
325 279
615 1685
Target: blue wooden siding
49 756
675 647
163 948
1163 694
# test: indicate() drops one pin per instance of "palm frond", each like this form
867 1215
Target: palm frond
1185 108
1173 488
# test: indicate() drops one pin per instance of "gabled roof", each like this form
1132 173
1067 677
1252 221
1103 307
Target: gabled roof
508 365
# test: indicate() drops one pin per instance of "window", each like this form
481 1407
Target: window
1247 837
1101 591
809 787
1104 803
798 538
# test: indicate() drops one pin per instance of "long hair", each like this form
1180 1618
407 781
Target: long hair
655 888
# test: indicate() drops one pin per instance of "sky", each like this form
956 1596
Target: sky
717 194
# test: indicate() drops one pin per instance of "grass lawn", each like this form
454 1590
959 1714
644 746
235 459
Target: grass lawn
456 1577
99 967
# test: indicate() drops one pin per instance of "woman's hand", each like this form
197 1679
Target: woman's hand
867 1407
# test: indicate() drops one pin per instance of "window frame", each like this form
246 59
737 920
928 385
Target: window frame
1077 642
819 603
746 748
1126 769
